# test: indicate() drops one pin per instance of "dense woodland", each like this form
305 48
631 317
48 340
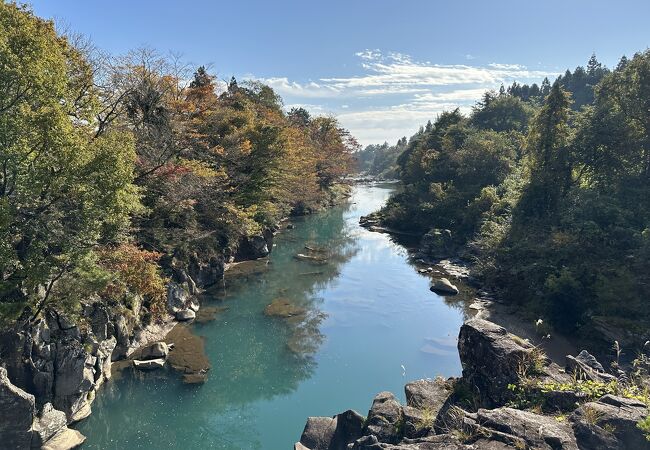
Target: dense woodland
380 161
548 190
115 168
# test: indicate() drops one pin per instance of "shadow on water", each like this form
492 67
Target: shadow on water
291 337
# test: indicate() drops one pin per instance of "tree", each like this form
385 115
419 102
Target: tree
63 190
545 88
548 147
501 113
201 79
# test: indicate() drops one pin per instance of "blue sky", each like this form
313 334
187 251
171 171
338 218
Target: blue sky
384 67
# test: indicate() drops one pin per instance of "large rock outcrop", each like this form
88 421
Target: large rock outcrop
331 433
255 247
438 413
426 404
437 244
385 419
492 359
17 412
58 366
610 423
23 426
523 429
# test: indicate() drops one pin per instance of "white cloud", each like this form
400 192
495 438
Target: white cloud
507 66
394 94
397 73
283 86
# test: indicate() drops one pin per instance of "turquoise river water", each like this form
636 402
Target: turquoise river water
371 325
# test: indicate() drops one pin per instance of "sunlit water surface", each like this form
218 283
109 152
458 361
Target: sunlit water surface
372 325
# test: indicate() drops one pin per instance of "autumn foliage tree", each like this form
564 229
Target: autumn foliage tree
115 170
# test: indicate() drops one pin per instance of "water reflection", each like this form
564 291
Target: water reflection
353 320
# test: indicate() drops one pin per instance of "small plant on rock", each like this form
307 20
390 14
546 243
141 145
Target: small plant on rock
592 415
644 425
427 420
532 363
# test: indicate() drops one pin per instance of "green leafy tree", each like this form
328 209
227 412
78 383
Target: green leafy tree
63 191
550 165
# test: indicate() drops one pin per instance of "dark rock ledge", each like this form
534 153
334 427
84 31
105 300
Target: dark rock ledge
510 396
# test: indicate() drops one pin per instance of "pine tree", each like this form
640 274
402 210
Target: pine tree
550 168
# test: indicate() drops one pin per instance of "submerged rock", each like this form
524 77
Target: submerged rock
444 287
188 354
281 307
209 313
311 258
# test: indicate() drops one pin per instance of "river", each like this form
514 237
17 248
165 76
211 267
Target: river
370 324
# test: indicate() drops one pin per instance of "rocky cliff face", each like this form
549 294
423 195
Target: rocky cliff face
23 426
509 397
51 368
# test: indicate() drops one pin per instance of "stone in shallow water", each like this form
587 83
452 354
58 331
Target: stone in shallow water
444 287
65 440
310 258
209 313
149 364
188 355
185 315
155 351
281 307
195 378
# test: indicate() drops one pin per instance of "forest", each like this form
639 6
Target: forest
118 172
547 190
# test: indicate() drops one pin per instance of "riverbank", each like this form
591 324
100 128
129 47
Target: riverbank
432 256
510 396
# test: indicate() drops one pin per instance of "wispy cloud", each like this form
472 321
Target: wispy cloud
394 94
